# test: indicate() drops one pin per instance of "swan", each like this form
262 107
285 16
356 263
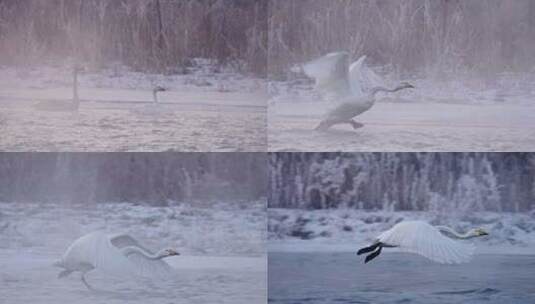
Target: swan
352 106
429 241
64 105
155 91
353 86
115 254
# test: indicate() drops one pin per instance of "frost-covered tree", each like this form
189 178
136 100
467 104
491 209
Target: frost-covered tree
440 182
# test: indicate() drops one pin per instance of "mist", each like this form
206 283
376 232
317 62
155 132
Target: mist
148 178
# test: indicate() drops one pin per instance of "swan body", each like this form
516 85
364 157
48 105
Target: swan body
64 105
432 242
114 254
353 106
354 87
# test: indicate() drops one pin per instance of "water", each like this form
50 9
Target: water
399 278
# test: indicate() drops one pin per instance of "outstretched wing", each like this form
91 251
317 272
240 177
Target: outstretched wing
330 73
362 79
143 265
424 239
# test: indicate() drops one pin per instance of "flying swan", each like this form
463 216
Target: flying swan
429 241
115 254
354 87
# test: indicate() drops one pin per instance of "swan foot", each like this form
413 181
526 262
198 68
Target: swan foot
355 125
369 248
373 255
86 284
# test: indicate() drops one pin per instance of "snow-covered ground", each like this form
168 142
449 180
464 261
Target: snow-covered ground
222 248
347 230
461 115
205 109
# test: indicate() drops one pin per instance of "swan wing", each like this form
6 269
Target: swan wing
330 73
423 239
143 265
103 256
362 79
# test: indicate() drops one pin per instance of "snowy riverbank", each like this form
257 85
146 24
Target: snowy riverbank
344 230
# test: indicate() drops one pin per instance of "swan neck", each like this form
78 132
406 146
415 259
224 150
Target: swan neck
131 250
376 90
75 88
454 233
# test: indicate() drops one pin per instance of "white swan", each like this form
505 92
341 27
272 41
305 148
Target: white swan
353 86
115 254
429 241
352 106
64 105
155 93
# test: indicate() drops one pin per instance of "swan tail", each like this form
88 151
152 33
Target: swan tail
373 255
368 249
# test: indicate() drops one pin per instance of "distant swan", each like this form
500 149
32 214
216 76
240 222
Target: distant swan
429 241
64 105
115 254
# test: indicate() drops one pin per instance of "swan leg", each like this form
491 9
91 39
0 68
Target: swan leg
369 248
355 125
373 255
324 125
85 282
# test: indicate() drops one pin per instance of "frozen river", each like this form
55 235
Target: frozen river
399 278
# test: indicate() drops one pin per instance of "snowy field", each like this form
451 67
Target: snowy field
201 111
347 230
436 116
222 250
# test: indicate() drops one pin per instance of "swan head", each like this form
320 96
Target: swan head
158 89
479 232
405 85
168 252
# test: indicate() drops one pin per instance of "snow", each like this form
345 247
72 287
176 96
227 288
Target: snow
464 114
347 230
202 110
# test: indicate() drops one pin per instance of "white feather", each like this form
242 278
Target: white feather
98 250
421 238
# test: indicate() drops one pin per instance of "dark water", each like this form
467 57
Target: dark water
399 278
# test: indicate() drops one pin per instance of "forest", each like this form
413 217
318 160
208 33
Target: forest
403 181
147 35
151 178
432 37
